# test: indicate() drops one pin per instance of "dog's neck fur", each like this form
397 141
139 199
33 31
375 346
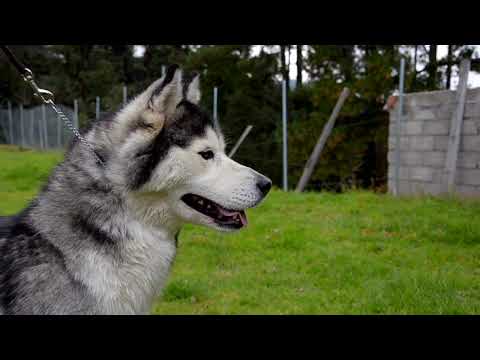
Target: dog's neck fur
125 268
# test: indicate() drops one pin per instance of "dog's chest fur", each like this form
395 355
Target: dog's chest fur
129 282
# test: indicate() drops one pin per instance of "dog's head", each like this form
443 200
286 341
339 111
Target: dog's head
171 153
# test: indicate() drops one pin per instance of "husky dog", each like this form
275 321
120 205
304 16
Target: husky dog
101 236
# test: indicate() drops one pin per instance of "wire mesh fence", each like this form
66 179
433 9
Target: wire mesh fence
36 127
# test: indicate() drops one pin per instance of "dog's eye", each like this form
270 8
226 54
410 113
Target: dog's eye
207 155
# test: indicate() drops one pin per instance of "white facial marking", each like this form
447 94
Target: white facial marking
220 179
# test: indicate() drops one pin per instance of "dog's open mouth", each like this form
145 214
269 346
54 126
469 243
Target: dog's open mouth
223 217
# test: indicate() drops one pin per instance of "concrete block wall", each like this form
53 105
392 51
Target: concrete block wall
424 137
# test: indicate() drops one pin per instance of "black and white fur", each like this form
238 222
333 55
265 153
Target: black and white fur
101 239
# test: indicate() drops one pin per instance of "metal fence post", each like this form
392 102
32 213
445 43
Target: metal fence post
124 95
321 142
75 113
10 123
31 128
59 133
45 130
22 130
398 128
97 108
215 107
240 140
456 129
40 135
285 137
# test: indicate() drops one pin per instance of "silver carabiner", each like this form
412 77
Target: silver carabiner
43 94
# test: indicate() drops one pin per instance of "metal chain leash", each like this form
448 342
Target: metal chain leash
47 98
61 115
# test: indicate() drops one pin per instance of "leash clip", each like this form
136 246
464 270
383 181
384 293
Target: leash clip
45 95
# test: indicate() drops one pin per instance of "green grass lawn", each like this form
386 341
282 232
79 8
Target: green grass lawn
356 253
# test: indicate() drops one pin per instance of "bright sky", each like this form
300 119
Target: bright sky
473 78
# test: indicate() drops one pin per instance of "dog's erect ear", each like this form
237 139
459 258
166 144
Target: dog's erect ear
150 111
156 106
192 92
168 93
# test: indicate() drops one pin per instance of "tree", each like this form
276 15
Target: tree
299 65
414 67
449 66
284 66
432 67
455 53
122 57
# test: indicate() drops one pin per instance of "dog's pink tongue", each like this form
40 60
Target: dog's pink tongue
240 214
243 218
226 212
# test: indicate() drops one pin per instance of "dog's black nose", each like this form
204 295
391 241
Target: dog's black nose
264 184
